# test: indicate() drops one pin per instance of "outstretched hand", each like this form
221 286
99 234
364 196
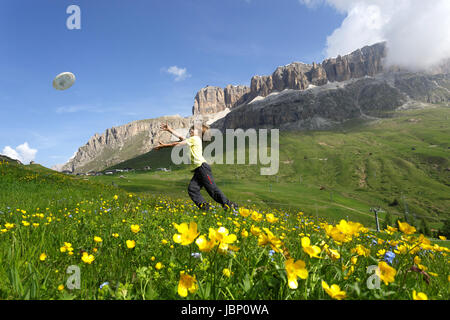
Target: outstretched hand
161 145
165 127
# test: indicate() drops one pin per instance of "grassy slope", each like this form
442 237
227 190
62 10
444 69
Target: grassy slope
29 187
365 166
131 149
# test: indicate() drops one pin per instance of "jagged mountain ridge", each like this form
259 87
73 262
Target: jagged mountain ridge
296 96
367 61
331 105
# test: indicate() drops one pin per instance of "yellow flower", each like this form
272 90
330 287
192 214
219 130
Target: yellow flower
205 245
116 197
386 272
294 270
226 272
186 283
312 251
244 233
334 291
35 225
349 228
135 228
187 234
417 261
244 212
419 296
335 234
271 218
334 254
222 237
131 244
442 238
115 235
25 223
350 271
402 249
354 259
406 228
269 238
255 230
67 247
152 258
361 250
42 257
391 230
97 239
381 253
60 287
159 266
9 225
164 241
257 216
87 258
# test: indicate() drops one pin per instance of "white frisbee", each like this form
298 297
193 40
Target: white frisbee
64 81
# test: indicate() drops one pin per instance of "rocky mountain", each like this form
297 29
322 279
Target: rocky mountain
214 99
334 103
367 61
121 143
296 96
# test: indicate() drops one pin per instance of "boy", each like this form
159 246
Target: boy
202 171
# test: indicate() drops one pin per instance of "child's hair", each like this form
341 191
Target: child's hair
204 129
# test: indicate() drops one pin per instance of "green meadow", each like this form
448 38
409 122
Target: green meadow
399 164
305 233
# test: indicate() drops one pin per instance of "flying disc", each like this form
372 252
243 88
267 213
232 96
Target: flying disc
64 81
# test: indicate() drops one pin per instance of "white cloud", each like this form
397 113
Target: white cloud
23 153
417 31
179 73
80 108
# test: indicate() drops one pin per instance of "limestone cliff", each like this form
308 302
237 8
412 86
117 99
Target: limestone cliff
214 99
122 143
367 61
332 104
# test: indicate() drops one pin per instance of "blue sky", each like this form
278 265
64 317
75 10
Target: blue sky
121 56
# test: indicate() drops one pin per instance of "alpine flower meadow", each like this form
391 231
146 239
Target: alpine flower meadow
142 246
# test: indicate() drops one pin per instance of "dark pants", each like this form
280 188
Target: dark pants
203 178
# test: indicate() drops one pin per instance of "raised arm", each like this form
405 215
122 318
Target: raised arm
166 127
168 145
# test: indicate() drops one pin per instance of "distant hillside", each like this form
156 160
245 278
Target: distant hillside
4 158
398 163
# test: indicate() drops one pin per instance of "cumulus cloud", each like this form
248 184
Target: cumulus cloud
23 153
417 32
179 73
